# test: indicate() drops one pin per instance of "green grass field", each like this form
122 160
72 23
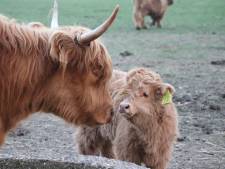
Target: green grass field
191 28
183 16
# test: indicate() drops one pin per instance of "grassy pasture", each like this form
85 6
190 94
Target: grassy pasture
187 27
183 16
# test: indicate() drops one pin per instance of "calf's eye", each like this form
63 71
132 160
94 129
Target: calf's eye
145 94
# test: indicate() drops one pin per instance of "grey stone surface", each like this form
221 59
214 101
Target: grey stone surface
44 141
79 163
43 164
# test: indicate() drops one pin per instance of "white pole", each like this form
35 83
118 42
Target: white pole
54 22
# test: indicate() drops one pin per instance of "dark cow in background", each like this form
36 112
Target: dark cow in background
64 71
153 8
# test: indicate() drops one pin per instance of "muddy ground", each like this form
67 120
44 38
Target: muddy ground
192 62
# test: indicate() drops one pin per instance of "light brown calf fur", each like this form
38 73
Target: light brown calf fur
143 130
47 70
153 8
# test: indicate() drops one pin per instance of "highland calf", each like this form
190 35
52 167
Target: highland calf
153 8
143 129
64 71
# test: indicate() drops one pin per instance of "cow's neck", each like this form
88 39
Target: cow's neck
26 69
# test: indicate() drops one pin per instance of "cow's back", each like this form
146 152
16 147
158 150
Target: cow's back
151 7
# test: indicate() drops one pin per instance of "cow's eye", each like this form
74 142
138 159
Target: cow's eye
145 94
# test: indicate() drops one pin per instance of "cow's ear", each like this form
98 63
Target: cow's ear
62 47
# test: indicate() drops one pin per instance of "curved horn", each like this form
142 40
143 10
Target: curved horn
87 37
54 22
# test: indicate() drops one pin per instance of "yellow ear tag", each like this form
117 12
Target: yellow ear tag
167 98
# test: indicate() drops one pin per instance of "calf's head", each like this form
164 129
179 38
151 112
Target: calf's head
143 95
146 102
80 85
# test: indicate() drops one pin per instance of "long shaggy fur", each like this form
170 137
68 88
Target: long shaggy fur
153 8
143 132
45 70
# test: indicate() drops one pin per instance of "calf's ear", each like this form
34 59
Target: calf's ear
162 89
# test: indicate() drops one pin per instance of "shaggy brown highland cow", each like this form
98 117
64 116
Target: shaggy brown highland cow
143 129
64 71
153 8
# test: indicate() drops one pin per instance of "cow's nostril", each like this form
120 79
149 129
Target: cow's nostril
127 106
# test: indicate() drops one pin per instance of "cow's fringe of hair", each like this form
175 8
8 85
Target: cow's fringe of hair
88 58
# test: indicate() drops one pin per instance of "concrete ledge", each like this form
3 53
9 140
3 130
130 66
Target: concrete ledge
43 164
89 163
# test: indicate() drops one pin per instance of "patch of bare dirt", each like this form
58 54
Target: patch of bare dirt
200 99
